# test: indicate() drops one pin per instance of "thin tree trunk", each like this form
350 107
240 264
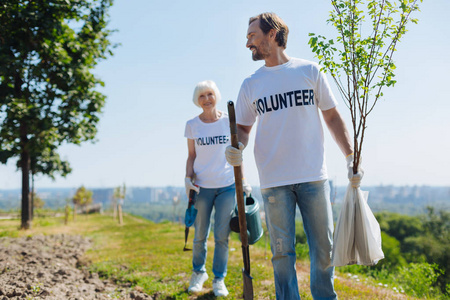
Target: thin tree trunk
25 166
120 215
32 196
24 161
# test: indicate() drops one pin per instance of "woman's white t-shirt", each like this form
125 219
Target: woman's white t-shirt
211 139
284 101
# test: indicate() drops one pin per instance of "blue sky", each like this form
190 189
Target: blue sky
169 46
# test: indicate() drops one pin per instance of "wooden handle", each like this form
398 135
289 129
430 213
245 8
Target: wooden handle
238 177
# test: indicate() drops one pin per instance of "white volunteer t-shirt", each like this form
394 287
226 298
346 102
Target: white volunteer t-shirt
211 139
284 101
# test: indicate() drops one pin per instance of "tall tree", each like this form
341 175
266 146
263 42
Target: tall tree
48 96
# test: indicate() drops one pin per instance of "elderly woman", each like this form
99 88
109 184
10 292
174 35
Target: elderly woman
208 135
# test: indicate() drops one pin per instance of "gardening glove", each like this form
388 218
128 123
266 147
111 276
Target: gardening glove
246 187
190 186
355 179
234 156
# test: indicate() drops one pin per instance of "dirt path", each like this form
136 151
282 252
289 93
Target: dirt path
51 267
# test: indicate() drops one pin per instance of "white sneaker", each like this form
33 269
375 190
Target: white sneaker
219 287
197 280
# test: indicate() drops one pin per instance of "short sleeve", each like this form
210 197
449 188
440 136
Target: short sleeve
245 112
325 99
188 131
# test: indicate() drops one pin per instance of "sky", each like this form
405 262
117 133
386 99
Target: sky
167 47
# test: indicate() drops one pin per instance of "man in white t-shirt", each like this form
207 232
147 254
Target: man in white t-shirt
284 98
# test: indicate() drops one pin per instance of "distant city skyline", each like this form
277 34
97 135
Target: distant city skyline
401 199
166 49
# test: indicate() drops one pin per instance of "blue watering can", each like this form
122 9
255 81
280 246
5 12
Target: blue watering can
254 227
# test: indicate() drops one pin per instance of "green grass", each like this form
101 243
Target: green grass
150 257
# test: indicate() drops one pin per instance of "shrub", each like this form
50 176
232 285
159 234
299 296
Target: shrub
418 279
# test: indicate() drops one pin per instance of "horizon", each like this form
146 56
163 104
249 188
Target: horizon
253 186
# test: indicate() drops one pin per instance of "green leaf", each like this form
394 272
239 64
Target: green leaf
60 103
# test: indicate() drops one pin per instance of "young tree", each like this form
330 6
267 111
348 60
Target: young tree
48 94
38 202
119 197
67 211
82 197
362 65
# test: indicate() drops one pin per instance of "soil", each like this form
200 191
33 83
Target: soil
52 267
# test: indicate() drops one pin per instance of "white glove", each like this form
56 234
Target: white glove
246 187
355 179
234 156
190 186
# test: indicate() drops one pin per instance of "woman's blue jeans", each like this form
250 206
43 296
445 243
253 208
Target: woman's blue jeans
313 199
223 201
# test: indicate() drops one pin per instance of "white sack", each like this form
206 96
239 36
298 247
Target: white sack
357 237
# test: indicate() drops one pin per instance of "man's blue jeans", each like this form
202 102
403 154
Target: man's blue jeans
313 199
223 201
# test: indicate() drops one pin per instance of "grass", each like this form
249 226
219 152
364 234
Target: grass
150 257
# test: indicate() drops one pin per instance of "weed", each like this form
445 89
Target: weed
36 289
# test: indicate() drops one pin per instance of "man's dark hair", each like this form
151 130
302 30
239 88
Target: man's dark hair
268 21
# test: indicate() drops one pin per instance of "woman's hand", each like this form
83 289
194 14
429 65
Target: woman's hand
190 186
246 187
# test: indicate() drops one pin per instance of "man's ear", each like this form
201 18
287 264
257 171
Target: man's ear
272 34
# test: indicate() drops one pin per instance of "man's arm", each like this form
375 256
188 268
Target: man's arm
243 133
338 130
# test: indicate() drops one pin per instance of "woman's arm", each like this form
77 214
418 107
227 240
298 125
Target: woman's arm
191 158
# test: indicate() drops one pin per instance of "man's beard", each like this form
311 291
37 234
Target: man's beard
261 52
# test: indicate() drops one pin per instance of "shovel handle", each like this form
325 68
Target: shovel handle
248 285
238 177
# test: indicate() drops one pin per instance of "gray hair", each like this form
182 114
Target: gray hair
203 86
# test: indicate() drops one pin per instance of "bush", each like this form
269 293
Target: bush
417 279
392 253
302 250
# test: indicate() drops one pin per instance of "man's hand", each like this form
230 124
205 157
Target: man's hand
234 156
190 186
355 179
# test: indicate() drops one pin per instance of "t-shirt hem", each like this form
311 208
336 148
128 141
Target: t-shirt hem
325 108
216 186
295 181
